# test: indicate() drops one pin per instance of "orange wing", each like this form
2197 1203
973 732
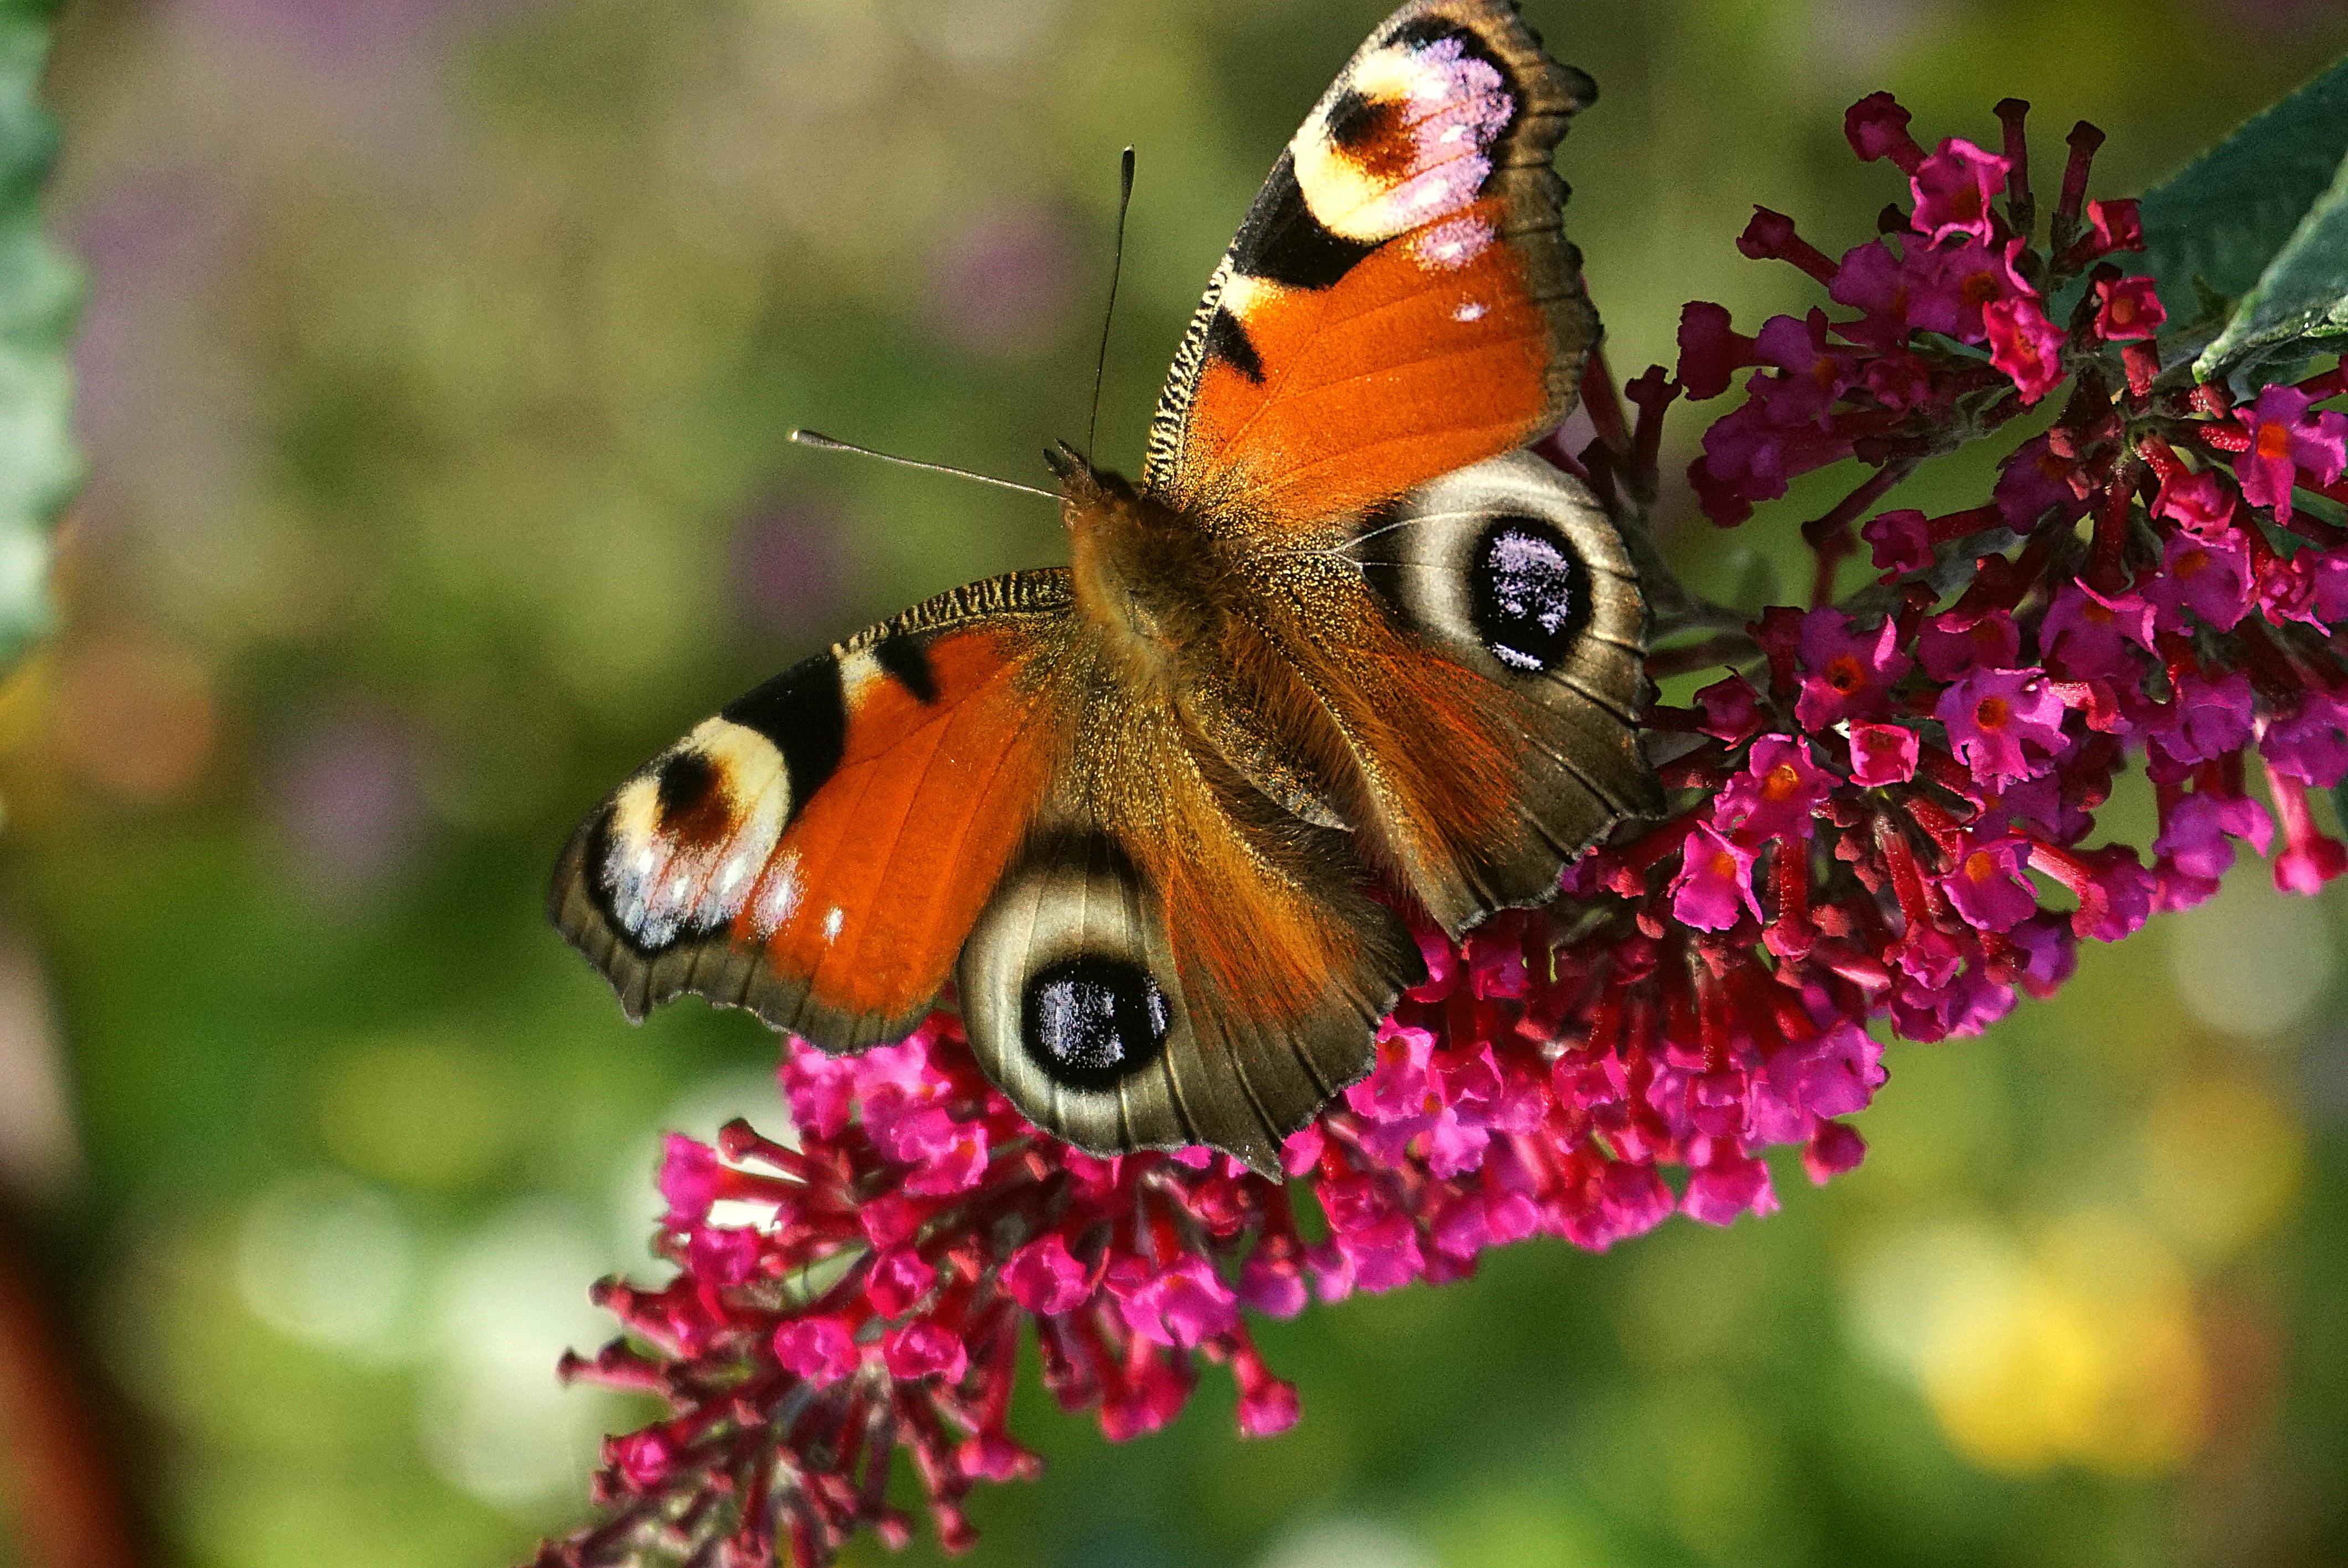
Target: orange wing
818 850
1400 301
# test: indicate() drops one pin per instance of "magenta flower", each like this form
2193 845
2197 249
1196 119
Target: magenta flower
2004 724
1776 795
1715 888
1882 754
1849 673
2309 743
2211 576
2025 345
1953 187
1984 884
2091 637
1877 128
2288 446
2128 309
1902 540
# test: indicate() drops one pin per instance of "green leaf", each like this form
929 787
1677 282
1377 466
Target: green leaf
40 298
2263 217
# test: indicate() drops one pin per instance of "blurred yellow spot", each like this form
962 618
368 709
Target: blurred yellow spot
2222 1163
2083 1349
418 1113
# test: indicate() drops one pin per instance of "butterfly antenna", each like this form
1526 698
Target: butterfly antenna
822 443
1115 265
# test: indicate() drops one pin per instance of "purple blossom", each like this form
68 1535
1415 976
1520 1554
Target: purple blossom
1882 754
2004 724
2286 443
1715 888
1953 187
1849 673
2025 345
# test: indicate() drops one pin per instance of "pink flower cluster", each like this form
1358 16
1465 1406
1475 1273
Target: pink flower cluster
1883 810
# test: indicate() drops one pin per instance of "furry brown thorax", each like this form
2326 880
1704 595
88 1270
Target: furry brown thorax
1141 571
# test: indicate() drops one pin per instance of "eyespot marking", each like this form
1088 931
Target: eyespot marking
1089 1021
1528 593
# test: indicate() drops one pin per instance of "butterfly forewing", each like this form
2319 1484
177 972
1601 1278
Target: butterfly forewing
1400 300
818 850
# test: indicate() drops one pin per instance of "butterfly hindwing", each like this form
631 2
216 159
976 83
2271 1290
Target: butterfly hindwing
1400 301
1464 667
817 851
1171 960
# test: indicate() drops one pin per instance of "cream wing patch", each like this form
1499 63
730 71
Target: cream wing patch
692 832
1405 140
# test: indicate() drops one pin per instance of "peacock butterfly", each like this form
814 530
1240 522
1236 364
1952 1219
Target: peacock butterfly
1343 630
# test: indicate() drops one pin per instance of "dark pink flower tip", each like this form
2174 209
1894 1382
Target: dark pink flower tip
1179 1306
1731 1186
1046 1278
1711 351
2116 226
1901 541
1953 187
2197 832
1731 709
2202 503
2286 442
690 1178
643 1459
1882 754
1713 888
2129 311
1267 1404
924 1348
2305 868
2003 725
1877 126
821 1349
2025 345
897 1281
1835 1147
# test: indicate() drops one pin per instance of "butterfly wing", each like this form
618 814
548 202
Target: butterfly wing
817 851
1478 646
1400 300
1149 954
1171 960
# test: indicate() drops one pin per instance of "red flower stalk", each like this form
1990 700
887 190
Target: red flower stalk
1858 801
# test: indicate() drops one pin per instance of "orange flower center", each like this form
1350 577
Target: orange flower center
1992 712
1980 865
1781 783
2274 440
1846 675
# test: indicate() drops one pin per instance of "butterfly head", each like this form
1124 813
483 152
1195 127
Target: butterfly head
1139 569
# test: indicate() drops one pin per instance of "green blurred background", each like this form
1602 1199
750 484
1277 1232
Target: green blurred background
433 379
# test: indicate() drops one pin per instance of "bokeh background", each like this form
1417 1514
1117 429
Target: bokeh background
433 379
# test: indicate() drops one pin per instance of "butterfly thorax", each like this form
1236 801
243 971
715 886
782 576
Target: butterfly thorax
1148 578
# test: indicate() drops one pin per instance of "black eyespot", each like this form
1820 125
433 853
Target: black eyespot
1528 593
1089 1021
